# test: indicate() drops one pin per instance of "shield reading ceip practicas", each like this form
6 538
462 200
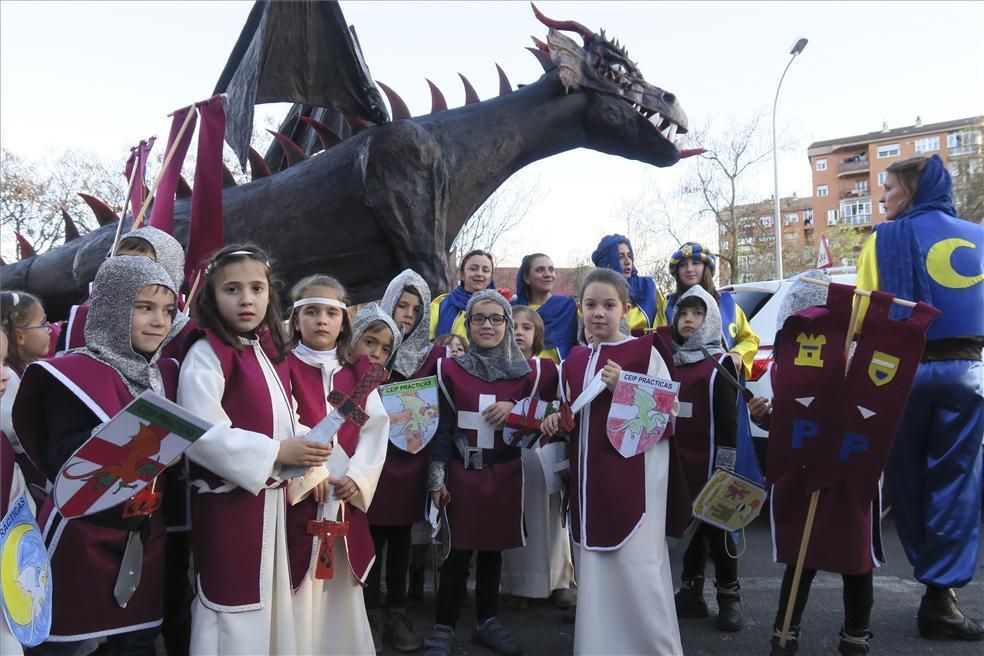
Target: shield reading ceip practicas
640 412
413 412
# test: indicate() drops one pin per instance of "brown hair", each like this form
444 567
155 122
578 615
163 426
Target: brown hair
908 172
447 338
13 316
608 277
706 281
207 308
375 328
537 322
343 343
472 253
524 270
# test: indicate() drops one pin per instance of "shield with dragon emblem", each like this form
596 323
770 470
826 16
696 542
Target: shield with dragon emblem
413 411
640 411
25 575
729 501
126 454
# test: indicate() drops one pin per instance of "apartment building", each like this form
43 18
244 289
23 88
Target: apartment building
751 240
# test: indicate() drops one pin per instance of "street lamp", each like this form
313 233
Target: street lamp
795 50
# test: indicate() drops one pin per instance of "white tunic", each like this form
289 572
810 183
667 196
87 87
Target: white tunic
245 459
330 616
544 564
625 597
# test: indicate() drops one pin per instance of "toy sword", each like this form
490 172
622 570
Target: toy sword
747 393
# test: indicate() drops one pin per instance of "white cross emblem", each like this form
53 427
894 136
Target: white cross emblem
475 421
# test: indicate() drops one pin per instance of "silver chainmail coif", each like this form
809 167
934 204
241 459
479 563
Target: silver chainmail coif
502 362
416 345
169 255
369 314
107 328
708 335
803 295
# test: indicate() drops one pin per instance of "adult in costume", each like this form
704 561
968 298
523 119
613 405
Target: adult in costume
615 252
447 312
534 287
925 252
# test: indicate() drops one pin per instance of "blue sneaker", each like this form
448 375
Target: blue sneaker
495 636
440 642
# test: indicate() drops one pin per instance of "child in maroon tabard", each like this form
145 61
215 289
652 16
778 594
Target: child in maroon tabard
475 477
705 436
59 405
237 378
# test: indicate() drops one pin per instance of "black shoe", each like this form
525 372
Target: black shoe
940 618
689 598
854 641
792 642
729 608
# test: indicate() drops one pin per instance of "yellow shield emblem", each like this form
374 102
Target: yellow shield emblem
882 368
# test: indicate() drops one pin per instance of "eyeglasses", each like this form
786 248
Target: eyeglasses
44 324
480 319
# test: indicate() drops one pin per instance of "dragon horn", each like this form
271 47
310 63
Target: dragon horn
471 96
326 135
356 124
228 179
184 189
398 107
540 45
24 248
104 214
71 230
292 151
257 165
570 26
438 103
2 263
504 86
543 58
690 152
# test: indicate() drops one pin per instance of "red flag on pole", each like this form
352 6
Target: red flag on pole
138 157
824 259
206 224
162 213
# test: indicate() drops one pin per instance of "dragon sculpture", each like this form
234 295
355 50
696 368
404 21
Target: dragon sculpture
392 196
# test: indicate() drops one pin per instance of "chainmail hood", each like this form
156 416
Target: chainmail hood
502 362
803 295
416 344
369 314
708 335
169 255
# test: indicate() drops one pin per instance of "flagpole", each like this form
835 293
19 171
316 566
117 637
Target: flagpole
126 203
167 160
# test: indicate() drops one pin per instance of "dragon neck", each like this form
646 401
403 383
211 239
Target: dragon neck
487 142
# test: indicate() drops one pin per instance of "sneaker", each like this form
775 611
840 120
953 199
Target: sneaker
399 631
564 598
495 636
376 627
689 598
515 602
440 642
854 642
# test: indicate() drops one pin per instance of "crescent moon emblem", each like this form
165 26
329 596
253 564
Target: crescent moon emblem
18 603
940 270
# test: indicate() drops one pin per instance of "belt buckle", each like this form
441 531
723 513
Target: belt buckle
473 458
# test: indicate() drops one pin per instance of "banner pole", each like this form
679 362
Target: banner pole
859 292
137 222
126 204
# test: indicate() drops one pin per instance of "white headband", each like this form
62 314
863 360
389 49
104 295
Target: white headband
319 300
211 265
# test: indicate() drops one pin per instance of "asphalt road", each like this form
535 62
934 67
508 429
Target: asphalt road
542 629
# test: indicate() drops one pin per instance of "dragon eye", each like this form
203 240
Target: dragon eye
618 69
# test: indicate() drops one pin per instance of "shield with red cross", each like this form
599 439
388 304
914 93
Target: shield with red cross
129 451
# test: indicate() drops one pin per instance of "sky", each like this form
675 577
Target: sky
102 75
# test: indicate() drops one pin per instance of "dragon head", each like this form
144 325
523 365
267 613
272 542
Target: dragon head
626 115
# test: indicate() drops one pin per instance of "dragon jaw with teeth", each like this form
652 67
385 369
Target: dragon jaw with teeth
395 196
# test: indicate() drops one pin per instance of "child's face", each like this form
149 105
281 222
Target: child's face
457 346
377 344
690 272
524 333
689 321
602 310
137 246
4 374
407 310
32 338
151 318
242 294
488 324
320 325
476 273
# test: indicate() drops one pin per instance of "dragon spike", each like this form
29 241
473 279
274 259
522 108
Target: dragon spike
24 248
292 151
398 107
2 263
228 179
104 213
438 103
543 58
540 45
184 189
356 124
71 230
257 165
569 26
471 96
326 135
504 86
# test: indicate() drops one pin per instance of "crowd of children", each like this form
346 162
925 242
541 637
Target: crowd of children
287 534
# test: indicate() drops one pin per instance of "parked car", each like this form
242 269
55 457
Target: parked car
760 301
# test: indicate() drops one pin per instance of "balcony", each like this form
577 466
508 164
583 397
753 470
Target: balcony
853 167
857 220
969 149
856 192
